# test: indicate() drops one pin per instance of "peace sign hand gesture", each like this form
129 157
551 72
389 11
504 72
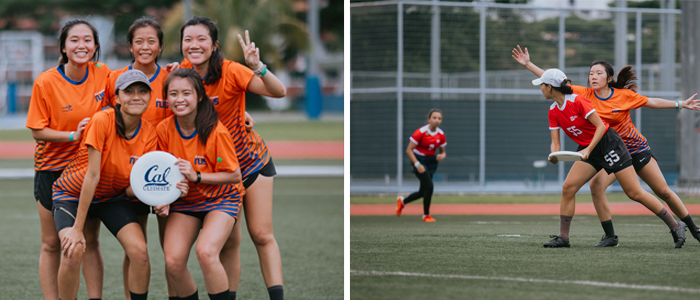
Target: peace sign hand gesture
252 54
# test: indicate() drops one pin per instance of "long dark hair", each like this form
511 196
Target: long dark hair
564 87
119 120
140 23
625 79
207 117
216 60
64 36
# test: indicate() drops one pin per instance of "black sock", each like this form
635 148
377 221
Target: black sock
194 296
276 292
135 296
219 296
95 299
608 228
689 221
232 295
173 298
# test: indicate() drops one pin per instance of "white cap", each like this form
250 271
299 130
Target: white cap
553 77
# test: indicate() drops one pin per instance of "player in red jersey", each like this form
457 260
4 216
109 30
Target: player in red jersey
208 160
613 101
421 152
63 100
96 184
225 83
602 148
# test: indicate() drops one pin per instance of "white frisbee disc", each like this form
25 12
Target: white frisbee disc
154 178
567 155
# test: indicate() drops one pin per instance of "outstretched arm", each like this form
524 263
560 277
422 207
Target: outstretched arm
524 59
658 103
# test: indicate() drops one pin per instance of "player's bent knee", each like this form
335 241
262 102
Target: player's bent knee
175 265
262 237
50 245
207 254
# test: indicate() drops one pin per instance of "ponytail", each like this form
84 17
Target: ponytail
119 121
564 87
625 79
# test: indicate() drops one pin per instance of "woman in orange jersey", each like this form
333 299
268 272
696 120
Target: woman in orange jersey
96 184
613 100
226 83
207 158
145 40
63 100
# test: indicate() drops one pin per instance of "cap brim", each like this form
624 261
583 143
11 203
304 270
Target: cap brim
537 81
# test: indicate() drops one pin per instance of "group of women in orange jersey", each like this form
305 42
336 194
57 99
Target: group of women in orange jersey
607 103
91 124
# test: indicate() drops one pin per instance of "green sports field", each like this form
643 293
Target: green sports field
501 257
308 220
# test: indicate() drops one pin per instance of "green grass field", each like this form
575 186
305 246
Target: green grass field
308 220
501 257
503 199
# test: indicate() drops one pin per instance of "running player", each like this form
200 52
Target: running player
96 184
613 100
63 100
208 160
602 148
145 40
421 151
226 83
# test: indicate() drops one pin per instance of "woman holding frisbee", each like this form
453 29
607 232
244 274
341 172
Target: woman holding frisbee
613 100
208 160
145 40
601 147
63 100
421 152
96 184
226 83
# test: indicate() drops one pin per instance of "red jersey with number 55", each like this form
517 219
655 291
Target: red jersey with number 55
573 118
427 141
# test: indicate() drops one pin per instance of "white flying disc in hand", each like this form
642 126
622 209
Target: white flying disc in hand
567 155
154 178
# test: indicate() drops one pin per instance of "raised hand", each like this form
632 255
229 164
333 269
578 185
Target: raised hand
691 103
251 53
521 57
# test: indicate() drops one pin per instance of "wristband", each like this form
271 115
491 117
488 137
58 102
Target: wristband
677 106
417 164
70 137
199 178
263 72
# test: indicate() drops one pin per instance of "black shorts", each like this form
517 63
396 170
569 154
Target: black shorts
268 170
610 154
115 215
430 164
641 159
43 187
139 207
197 214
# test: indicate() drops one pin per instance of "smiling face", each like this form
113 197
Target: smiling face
145 45
598 77
197 44
182 97
79 44
134 99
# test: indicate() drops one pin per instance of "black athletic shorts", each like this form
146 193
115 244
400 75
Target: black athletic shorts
430 164
115 215
139 207
43 187
610 154
197 214
268 170
641 159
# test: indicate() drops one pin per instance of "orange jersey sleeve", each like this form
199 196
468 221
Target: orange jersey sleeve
118 156
60 103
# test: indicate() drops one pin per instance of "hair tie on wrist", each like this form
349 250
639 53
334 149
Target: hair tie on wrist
70 137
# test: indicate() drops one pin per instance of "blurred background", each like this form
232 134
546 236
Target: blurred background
300 40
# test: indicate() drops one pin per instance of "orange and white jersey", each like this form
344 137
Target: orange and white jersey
428 141
218 155
60 103
228 96
615 110
118 157
158 108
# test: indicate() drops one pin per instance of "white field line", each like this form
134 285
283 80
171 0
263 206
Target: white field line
533 280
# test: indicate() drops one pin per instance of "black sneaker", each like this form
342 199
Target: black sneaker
557 242
607 241
696 234
679 234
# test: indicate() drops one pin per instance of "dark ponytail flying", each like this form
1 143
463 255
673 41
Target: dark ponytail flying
216 60
625 79
564 87
207 117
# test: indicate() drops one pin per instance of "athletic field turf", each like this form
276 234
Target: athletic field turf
501 257
308 220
